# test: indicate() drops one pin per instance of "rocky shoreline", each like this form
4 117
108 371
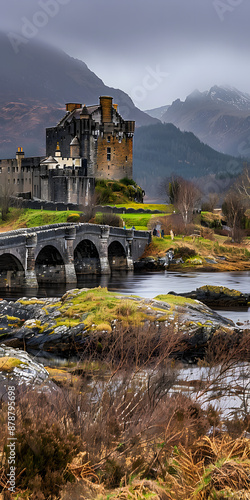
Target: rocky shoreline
62 327
218 297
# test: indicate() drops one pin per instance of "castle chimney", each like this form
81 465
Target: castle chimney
19 156
71 106
115 106
106 107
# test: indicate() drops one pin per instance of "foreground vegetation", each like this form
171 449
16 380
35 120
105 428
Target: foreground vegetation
132 428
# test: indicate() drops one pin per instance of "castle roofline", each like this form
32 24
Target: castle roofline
50 159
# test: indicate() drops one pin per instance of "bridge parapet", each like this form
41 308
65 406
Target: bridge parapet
28 249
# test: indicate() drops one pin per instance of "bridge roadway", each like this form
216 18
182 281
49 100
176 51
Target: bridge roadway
63 252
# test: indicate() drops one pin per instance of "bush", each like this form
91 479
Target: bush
73 218
184 253
207 233
116 187
101 183
104 195
43 451
108 219
128 182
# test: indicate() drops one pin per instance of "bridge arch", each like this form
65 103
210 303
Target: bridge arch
49 266
86 258
11 271
117 256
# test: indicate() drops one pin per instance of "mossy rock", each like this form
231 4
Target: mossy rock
7 364
220 290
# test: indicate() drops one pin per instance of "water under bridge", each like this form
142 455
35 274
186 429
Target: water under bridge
62 253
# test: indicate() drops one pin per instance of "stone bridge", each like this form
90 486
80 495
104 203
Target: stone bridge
61 253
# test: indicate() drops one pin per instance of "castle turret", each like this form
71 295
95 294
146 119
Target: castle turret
58 153
84 114
74 148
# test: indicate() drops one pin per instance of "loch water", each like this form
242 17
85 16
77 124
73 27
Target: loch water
150 284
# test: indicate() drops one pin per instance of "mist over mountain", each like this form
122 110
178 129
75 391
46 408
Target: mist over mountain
157 112
220 117
36 83
162 150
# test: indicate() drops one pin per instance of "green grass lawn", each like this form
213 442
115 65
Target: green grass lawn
167 209
18 217
139 221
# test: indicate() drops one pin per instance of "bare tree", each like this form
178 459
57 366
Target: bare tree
188 196
234 210
243 185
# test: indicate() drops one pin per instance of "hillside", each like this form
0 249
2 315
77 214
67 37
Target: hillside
162 150
220 117
157 112
36 83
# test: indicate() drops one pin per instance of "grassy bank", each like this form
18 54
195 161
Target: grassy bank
18 217
226 256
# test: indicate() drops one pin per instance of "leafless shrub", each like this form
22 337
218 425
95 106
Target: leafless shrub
207 233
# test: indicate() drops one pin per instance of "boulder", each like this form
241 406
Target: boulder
219 297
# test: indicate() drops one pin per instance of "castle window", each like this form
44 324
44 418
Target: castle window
108 167
120 138
8 170
14 181
126 158
13 169
18 181
108 154
0 170
8 181
108 139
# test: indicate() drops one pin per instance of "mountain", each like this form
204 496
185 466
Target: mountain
162 150
157 112
220 117
36 83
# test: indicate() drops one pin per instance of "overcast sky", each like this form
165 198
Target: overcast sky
155 50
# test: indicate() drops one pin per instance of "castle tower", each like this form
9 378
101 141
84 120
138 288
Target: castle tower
74 148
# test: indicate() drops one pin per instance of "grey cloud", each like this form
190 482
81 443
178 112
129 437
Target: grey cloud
190 40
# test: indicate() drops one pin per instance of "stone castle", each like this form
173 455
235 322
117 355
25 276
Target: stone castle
89 142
